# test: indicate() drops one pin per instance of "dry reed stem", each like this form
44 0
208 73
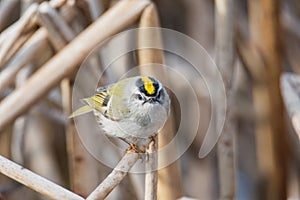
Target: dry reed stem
67 61
83 167
57 3
54 36
19 29
148 19
59 22
84 170
38 143
169 183
6 8
12 28
31 49
17 46
59 31
96 7
17 141
35 181
225 61
271 138
115 177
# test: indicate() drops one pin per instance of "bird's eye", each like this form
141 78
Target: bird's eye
139 97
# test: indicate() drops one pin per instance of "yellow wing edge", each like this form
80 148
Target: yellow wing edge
80 111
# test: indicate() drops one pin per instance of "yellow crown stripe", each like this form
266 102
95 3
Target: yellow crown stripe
148 85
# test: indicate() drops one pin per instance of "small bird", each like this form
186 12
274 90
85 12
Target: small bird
133 109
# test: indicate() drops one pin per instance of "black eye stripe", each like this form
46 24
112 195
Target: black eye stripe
160 94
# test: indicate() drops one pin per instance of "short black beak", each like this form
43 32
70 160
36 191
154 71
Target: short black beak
151 100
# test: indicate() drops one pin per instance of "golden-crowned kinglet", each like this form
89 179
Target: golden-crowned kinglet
132 109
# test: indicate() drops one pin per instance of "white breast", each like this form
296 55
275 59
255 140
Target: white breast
138 125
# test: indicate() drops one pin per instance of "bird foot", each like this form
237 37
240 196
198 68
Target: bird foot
133 148
152 139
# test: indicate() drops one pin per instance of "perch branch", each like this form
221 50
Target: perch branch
35 181
151 171
67 61
115 177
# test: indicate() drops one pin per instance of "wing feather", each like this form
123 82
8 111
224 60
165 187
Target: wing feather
80 111
111 108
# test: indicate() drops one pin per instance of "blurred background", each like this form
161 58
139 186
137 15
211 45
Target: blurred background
255 45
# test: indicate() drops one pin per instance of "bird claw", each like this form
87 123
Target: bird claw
152 139
133 148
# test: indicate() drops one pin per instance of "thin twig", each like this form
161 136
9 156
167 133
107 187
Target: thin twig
35 181
67 60
115 177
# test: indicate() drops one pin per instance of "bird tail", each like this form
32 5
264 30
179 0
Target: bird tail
97 102
80 111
